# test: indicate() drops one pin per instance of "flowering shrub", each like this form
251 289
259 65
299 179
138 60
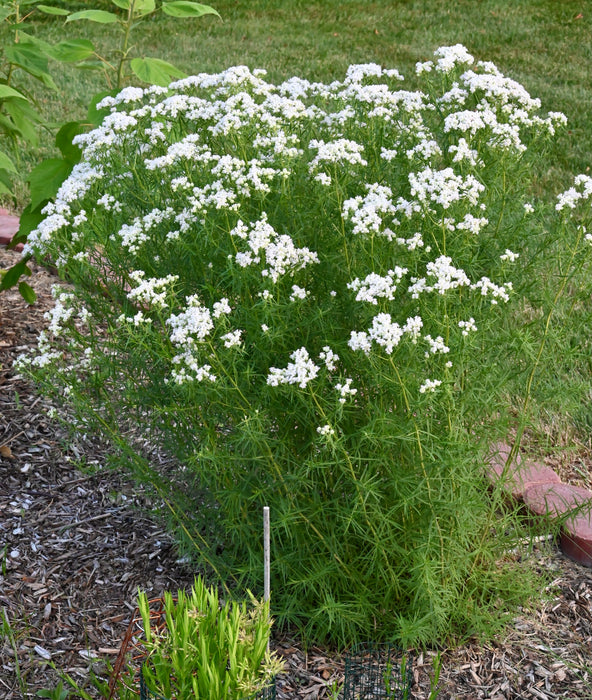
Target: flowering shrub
302 291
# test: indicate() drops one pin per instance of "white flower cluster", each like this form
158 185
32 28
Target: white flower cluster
429 386
467 326
279 252
336 152
444 187
345 390
581 190
330 358
151 291
374 286
367 212
301 371
221 166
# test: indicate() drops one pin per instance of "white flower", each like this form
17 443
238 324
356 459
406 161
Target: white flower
429 386
359 341
374 286
386 332
325 430
509 256
193 323
329 357
323 178
221 307
298 293
528 208
449 56
301 371
345 390
232 338
437 345
339 151
467 326
150 291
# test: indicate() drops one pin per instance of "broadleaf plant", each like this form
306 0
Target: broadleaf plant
19 119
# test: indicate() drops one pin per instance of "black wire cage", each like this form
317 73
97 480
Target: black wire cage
378 671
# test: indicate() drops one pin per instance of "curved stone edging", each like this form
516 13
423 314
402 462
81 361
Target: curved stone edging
9 225
543 493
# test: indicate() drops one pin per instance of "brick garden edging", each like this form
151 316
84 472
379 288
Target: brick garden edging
530 483
9 225
540 490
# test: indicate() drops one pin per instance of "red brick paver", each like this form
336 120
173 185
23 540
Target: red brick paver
9 225
519 475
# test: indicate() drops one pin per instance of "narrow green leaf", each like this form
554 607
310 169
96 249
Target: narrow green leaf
49 10
155 71
6 163
101 16
6 92
186 8
72 50
45 179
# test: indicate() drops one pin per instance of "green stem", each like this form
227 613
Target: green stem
125 45
421 456
543 342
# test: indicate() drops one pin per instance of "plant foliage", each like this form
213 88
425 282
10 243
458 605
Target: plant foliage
317 298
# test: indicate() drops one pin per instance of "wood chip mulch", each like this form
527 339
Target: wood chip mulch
78 540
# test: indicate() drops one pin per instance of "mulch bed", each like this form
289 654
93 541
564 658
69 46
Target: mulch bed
78 540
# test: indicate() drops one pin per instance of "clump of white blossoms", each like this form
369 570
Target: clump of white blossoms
298 290
222 209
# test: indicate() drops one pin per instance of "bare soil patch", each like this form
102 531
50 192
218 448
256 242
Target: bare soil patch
77 540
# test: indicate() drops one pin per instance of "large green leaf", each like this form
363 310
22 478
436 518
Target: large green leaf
144 7
72 50
185 8
6 163
124 4
5 13
64 139
101 16
25 119
13 274
27 292
49 10
30 58
95 116
26 38
6 92
28 220
45 179
155 71
5 183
